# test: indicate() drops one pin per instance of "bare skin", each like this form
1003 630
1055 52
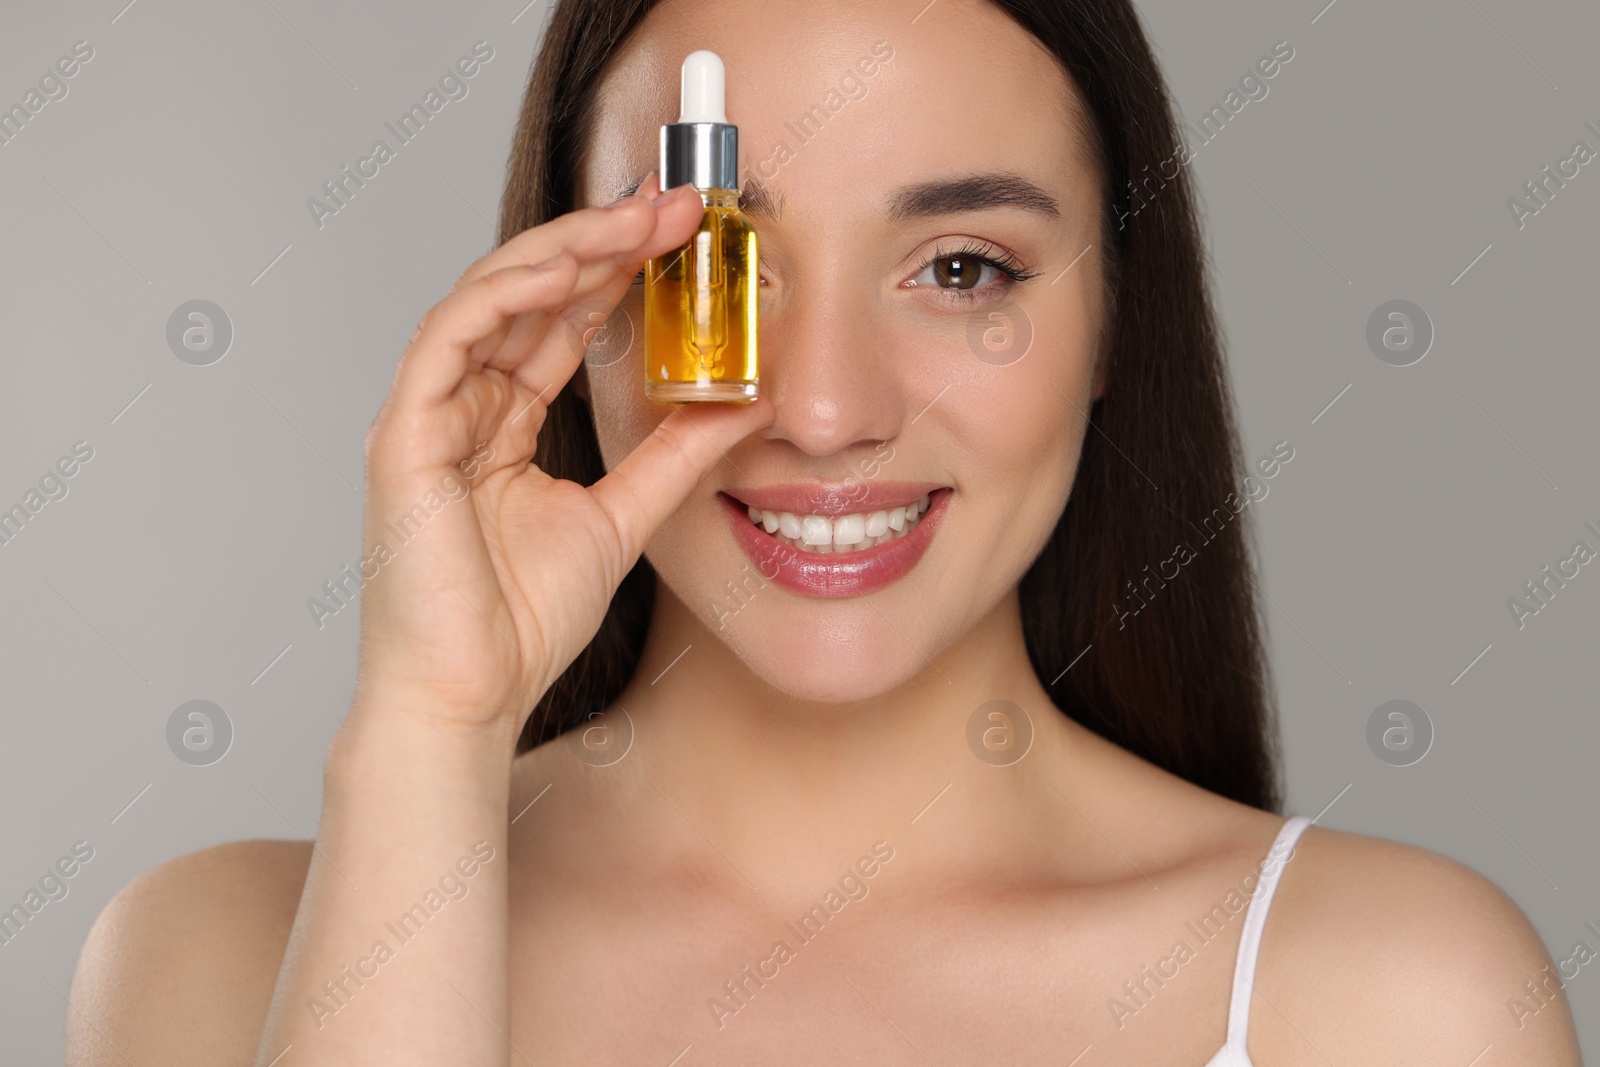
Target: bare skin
770 757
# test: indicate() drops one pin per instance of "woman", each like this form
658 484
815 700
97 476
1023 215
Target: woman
987 792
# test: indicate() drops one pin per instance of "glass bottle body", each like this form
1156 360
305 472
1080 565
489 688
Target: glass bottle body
700 310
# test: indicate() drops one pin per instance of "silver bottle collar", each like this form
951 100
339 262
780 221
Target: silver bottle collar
704 154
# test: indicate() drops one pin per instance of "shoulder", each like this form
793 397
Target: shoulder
1379 951
181 964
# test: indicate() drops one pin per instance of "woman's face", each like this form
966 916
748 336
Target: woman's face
890 155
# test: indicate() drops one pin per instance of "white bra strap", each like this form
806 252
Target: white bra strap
1244 969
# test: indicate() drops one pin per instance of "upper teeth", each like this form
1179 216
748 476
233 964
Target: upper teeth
839 533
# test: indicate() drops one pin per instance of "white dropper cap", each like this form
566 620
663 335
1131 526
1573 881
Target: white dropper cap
702 147
702 91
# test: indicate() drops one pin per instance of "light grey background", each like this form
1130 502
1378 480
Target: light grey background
178 567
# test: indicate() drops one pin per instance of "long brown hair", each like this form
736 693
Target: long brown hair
1181 681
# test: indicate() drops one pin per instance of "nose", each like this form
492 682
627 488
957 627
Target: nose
826 367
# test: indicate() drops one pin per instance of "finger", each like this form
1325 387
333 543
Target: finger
603 278
507 416
509 401
655 478
517 346
544 346
473 339
516 372
560 341
604 239
440 353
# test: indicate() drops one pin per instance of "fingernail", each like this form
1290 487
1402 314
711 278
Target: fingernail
662 198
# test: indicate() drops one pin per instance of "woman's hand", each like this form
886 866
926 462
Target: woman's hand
474 602
494 592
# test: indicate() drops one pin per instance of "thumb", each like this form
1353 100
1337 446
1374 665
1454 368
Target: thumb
659 474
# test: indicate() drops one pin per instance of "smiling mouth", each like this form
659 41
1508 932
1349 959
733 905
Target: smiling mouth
839 534
829 540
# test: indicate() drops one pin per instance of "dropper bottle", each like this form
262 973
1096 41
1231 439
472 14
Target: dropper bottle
700 299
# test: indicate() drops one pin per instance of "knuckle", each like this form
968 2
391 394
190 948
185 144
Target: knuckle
428 318
439 315
488 288
495 281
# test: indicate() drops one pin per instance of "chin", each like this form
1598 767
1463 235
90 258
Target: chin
808 663
827 651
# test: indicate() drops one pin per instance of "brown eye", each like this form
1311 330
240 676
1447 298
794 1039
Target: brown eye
970 273
957 272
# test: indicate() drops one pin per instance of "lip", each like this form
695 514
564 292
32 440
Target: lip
832 575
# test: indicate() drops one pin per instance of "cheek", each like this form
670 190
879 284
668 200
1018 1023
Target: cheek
1019 426
1014 381
1021 439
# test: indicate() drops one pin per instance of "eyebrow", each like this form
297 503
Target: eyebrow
979 192
951 196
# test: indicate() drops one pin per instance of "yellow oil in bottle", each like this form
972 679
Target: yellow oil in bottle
700 310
